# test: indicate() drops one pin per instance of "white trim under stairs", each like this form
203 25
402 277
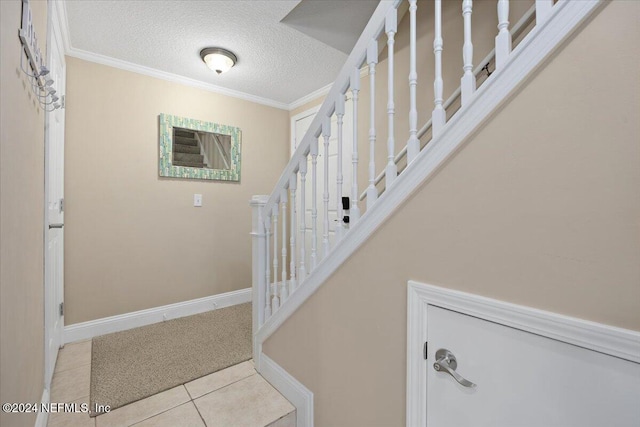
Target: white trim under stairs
122 322
295 392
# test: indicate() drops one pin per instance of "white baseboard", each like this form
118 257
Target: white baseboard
122 322
43 416
295 392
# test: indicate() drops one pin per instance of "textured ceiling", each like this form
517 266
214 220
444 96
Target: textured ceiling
274 61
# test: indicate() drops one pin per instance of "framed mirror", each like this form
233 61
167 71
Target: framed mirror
195 149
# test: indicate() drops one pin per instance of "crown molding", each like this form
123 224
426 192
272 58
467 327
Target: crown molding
174 78
61 7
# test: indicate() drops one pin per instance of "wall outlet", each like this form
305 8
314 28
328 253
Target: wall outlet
197 200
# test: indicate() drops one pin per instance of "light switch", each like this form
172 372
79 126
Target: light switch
197 200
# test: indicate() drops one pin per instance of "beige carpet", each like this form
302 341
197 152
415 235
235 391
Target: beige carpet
131 365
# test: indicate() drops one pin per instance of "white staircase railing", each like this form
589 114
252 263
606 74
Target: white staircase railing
276 283
462 94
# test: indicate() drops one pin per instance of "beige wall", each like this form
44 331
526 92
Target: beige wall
21 221
133 240
541 208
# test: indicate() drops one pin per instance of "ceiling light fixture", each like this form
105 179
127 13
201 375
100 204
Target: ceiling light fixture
218 59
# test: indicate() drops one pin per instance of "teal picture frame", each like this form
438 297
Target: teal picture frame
169 170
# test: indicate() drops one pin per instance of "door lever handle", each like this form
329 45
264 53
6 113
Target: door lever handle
446 362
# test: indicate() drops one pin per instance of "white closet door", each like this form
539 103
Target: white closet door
523 379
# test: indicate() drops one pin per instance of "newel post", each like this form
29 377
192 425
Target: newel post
258 263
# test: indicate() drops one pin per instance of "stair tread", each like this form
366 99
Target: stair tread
189 164
188 157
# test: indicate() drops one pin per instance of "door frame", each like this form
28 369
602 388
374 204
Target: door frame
610 340
54 35
294 119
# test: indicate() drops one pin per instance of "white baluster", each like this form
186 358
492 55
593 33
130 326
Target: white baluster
413 146
372 60
355 88
267 270
293 183
438 117
468 81
503 39
391 27
276 300
303 220
314 203
543 10
326 134
284 294
340 180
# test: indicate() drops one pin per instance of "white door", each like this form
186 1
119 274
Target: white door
523 379
300 126
54 205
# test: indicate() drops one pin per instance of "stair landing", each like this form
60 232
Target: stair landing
235 396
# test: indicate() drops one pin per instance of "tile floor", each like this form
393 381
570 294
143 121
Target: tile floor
234 397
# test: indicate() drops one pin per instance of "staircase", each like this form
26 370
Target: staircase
289 266
186 149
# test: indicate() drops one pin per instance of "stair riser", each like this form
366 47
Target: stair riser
185 141
184 134
181 148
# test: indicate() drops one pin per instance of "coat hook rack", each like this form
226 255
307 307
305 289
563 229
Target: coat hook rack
41 87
